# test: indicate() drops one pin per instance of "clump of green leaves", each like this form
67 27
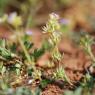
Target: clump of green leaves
37 53
88 81
8 59
44 83
61 75
87 42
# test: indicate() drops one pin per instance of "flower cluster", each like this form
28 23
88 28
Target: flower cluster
12 19
52 28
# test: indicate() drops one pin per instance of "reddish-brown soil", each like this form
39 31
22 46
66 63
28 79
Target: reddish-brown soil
52 90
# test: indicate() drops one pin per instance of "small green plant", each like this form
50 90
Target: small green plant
61 75
29 57
16 22
44 83
52 29
88 81
87 42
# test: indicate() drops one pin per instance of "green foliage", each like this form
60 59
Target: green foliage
56 55
30 71
76 92
61 75
23 91
44 83
37 53
5 89
35 74
13 47
2 68
8 59
28 45
37 91
87 42
88 82
5 53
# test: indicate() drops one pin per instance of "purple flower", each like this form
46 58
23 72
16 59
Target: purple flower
54 16
29 32
12 17
64 21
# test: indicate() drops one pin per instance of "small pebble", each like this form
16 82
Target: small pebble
30 81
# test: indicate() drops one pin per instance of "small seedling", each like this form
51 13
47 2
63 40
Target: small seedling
87 42
61 75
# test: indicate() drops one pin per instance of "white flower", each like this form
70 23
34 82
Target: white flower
14 19
54 16
11 17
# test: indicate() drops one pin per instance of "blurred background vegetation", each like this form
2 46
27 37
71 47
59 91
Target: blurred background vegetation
35 12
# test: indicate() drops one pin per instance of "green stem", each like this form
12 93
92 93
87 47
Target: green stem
28 22
91 54
24 49
30 62
22 45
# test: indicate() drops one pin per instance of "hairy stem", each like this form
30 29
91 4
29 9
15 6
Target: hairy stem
91 54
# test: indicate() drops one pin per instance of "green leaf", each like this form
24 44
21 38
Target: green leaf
28 45
44 83
3 70
37 53
2 43
5 53
30 71
13 47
